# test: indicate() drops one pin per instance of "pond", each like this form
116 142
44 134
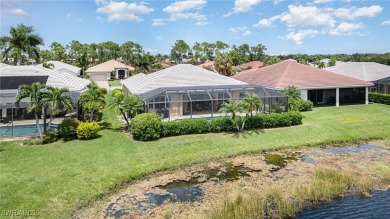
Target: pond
377 206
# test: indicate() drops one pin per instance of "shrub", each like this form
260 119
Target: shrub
103 90
146 126
32 141
379 98
50 137
88 130
222 125
68 128
185 126
305 105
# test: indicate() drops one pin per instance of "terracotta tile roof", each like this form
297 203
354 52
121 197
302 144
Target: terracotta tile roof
250 65
108 66
206 64
291 73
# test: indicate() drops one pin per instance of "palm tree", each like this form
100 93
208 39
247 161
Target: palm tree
116 102
294 96
48 65
92 99
57 100
34 93
224 64
134 105
22 40
232 108
251 103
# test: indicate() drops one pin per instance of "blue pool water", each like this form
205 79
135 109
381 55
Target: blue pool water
22 130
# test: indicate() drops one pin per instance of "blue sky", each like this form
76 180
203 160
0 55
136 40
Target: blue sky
283 26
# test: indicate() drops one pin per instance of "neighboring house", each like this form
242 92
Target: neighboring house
207 64
165 64
186 90
13 76
108 70
317 85
64 67
250 65
367 71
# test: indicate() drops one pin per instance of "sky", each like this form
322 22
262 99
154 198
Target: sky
283 26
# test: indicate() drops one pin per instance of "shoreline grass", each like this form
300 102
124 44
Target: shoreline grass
325 185
58 178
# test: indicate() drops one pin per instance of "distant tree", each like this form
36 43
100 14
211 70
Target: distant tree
224 64
48 65
332 62
22 40
221 46
272 60
257 52
58 51
179 51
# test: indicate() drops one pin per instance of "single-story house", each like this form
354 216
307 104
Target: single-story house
187 91
367 71
317 85
105 71
207 64
13 76
64 67
250 65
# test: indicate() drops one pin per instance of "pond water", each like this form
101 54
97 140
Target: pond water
377 206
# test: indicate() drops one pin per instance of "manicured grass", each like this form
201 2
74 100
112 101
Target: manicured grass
58 178
114 83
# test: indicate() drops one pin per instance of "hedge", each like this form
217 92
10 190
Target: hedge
144 129
379 98
88 130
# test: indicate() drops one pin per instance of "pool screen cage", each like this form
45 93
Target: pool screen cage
205 101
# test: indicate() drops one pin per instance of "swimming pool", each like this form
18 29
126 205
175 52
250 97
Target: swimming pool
21 130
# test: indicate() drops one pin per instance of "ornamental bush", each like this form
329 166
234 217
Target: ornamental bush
223 124
185 126
379 98
146 126
88 130
68 128
305 105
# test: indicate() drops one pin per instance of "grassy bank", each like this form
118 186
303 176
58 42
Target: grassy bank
56 179
324 185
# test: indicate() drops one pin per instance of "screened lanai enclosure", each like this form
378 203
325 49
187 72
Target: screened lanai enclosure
205 101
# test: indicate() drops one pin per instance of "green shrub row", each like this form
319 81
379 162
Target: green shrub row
148 126
71 128
379 98
305 105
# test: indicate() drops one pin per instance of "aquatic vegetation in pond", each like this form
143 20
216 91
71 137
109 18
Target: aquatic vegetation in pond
278 160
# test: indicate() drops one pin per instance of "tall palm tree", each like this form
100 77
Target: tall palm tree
294 96
92 99
34 93
251 102
22 40
57 100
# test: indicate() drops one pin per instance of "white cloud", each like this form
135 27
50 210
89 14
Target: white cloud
298 37
15 11
263 23
159 38
122 11
307 16
69 15
158 22
346 28
247 33
322 1
386 22
354 12
241 6
201 23
278 1
179 10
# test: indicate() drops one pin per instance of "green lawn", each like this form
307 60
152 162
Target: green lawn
114 83
58 178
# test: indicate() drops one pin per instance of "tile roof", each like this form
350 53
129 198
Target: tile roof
56 79
181 75
291 73
368 71
59 66
252 65
206 64
108 66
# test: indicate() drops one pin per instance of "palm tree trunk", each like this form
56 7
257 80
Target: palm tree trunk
19 56
124 116
50 121
37 123
91 116
44 118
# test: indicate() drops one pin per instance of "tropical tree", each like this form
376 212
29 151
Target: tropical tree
179 51
34 94
58 51
48 65
332 62
233 108
134 105
116 102
224 64
251 102
22 40
92 100
294 97
56 100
